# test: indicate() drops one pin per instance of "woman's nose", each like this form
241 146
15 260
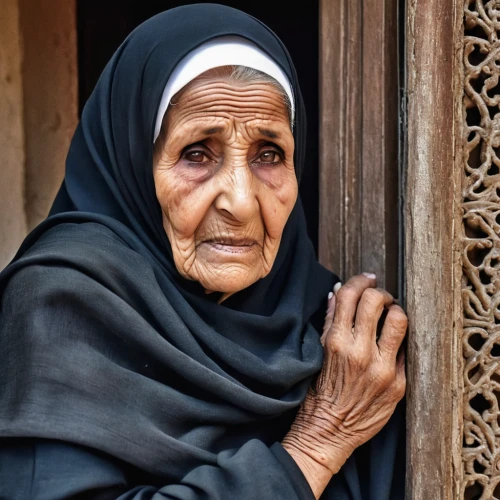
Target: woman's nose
237 195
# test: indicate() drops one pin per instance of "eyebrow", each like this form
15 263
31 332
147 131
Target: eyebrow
269 133
264 131
213 130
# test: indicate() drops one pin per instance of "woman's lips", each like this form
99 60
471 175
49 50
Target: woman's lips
222 247
232 246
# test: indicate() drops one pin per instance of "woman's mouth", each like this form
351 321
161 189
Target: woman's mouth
231 245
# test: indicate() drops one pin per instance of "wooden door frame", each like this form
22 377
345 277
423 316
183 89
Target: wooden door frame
355 41
433 228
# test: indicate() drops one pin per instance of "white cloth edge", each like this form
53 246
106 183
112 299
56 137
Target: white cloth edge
222 51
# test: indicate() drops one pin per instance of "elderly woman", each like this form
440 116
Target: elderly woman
163 332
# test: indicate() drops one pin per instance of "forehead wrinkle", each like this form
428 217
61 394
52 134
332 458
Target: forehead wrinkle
256 95
198 107
207 124
232 106
233 90
264 99
192 129
260 124
206 87
235 132
182 117
200 116
272 101
233 101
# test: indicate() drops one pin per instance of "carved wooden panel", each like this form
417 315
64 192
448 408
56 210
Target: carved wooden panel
481 251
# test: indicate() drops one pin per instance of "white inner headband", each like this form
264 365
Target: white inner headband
222 51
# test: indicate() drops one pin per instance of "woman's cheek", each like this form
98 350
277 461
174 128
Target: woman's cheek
188 208
184 214
274 215
172 196
278 205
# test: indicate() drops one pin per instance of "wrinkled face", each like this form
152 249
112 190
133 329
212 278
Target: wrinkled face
225 180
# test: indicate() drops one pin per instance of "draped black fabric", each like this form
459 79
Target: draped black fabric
105 346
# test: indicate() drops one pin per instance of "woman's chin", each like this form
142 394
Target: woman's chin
229 277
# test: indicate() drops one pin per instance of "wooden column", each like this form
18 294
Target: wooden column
359 138
433 222
38 111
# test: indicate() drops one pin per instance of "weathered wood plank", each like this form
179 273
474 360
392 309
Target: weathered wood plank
379 142
358 139
432 264
331 142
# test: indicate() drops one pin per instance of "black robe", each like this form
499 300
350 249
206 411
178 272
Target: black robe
121 379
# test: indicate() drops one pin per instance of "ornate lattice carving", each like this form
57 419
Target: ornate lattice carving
481 251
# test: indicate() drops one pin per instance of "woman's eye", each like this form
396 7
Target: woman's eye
272 157
195 156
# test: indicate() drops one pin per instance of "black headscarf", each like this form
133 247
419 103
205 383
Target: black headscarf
105 345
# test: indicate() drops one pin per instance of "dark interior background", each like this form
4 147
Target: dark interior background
104 24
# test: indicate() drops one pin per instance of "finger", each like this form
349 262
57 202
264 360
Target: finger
400 362
400 373
347 300
330 313
393 331
370 308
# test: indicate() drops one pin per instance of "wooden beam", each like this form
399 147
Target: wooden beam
432 259
358 228
340 130
379 142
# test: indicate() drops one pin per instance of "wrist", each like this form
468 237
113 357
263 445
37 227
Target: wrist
317 475
314 453
322 435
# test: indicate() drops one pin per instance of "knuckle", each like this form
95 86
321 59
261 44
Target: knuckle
373 296
360 360
400 388
397 319
346 294
332 342
387 375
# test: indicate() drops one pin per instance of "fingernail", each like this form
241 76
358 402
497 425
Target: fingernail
330 295
337 286
370 275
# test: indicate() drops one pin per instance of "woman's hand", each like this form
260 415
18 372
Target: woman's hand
361 381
